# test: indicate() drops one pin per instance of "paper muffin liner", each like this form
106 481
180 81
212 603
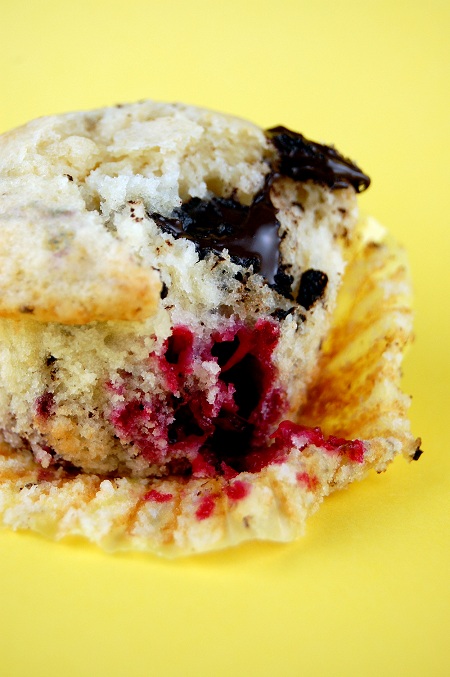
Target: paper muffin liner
356 396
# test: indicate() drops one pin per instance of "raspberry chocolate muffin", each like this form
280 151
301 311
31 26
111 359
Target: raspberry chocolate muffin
168 280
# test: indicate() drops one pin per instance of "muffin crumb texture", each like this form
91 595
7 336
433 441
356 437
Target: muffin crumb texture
198 341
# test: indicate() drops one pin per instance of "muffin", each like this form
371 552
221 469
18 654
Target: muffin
169 308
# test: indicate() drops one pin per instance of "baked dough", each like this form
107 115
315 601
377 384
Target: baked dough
160 389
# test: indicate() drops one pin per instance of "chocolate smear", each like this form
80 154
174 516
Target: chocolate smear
251 233
304 160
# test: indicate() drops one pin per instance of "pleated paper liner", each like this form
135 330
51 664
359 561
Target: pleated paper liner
356 396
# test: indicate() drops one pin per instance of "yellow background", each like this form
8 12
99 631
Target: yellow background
366 591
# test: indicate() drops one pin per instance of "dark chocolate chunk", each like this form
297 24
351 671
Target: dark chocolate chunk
280 314
417 454
44 404
304 160
251 233
283 283
312 287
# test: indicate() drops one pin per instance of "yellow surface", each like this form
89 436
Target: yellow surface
366 592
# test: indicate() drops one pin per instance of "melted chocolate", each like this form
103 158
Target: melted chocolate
250 234
304 160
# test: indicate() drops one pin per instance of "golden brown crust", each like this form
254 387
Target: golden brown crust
65 179
73 273
132 300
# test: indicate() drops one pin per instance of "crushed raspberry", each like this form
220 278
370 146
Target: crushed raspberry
227 471
145 424
201 467
237 490
176 360
46 475
353 449
255 461
157 496
44 405
310 481
194 433
187 422
290 435
206 507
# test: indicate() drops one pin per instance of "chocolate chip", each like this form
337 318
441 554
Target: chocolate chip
250 233
417 454
280 314
312 287
283 283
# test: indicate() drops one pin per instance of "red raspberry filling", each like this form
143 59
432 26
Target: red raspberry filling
194 431
157 496
206 507
291 435
225 428
229 429
44 405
